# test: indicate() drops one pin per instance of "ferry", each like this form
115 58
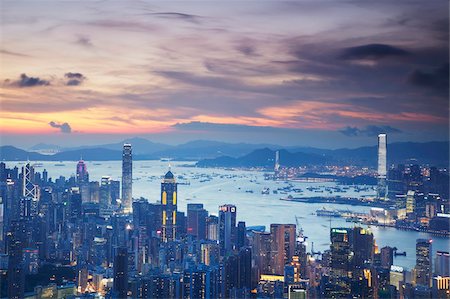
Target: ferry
328 213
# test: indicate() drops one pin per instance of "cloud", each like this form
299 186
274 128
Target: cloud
372 51
438 79
177 15
2 51
64 127
74 79
84 41
369 131
26 81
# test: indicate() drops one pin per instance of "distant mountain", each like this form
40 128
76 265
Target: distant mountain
212 153
141 146
45 147
265 158
11 153
433 153
201 149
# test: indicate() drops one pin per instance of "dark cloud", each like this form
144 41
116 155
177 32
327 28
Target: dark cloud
437 79
63 127
74 79
84 41
369 131
177 15
26 81
372 51
13 53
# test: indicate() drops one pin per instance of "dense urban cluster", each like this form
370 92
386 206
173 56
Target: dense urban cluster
75 238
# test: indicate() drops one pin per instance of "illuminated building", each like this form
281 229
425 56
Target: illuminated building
397 277
227 228
410 202
382 167
283 246
442 263
423 262
169 208
127 176
82 173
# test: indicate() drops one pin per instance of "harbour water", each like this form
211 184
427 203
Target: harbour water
214 187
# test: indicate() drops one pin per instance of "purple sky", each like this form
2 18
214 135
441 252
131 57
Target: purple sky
311 73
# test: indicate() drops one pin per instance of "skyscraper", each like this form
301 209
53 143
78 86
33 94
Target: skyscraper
127 176
82 173
423 262
227 227
169 207
382 167
283 245
442 263
29 189
196 220
120 287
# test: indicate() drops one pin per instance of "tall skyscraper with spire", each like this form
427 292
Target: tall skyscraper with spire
82 173
127 176
382 167
169 207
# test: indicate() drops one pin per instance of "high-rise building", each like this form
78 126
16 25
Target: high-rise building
127 177
283 246
442 263
341 263
423 262
120 288
105 191
29 189
212 228
227 228
82 173
196 220
382 167
169 207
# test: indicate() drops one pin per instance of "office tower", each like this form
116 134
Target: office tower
212 228
397 277
169 207
363 247
277 163
410 202
340 264
283 246
387 257
196 220
261 245
245 268
227 228
115 191
241 235
45 176
127 177
120 288
210 253
82 173
382 167
423 262
442 263
105 191
29 189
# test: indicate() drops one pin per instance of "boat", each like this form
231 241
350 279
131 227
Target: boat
265 191
327 213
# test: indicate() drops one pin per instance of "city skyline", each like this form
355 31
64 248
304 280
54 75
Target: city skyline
288 72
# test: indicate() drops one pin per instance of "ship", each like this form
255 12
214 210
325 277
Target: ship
328 213
265 191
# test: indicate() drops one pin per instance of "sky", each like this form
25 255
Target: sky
327 74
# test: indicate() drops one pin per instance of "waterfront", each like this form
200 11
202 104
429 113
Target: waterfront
214 187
